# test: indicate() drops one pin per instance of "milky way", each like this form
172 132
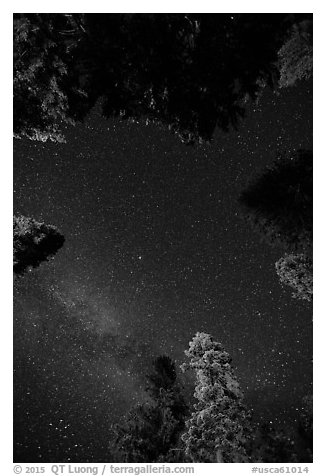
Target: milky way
156 250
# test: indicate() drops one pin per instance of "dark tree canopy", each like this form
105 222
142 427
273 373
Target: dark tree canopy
163 377
34 242
191 72
279 203
40 66
150 432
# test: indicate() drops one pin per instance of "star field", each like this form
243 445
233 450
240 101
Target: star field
156 250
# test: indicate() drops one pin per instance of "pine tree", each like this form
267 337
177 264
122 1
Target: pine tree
219 427
150 432
296 55
41 55
279 202
34 242
296 271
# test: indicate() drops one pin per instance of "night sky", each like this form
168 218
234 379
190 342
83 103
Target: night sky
156 249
